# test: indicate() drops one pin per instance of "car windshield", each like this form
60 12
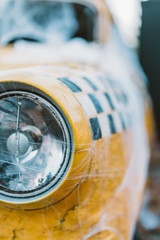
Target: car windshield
45 21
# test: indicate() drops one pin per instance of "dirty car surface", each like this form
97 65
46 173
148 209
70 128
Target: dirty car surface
76 122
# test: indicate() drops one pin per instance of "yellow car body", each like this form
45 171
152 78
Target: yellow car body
101 193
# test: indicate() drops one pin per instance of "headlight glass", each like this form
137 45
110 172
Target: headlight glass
35 147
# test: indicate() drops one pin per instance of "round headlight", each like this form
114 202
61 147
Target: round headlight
35 147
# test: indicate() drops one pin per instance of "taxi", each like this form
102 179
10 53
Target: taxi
76 124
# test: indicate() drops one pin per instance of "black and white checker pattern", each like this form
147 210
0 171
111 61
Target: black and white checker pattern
96 103
105 125
103 101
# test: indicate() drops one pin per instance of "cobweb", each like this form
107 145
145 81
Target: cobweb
53 24
105 202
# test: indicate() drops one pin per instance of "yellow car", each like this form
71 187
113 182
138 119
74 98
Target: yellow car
76 122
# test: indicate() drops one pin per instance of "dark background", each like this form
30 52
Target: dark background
150 51
150 59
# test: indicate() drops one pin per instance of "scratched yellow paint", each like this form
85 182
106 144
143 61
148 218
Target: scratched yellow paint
73 217
90 203
91 187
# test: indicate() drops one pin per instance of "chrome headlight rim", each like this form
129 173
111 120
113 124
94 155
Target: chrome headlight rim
21 89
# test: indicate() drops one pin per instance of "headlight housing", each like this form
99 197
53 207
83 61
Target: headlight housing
36 147
39 101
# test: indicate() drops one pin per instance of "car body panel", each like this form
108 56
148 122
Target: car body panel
102 192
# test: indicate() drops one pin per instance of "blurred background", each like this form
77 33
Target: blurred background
139 25
149 53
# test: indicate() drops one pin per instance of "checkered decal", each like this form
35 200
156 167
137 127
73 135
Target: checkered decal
104 102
